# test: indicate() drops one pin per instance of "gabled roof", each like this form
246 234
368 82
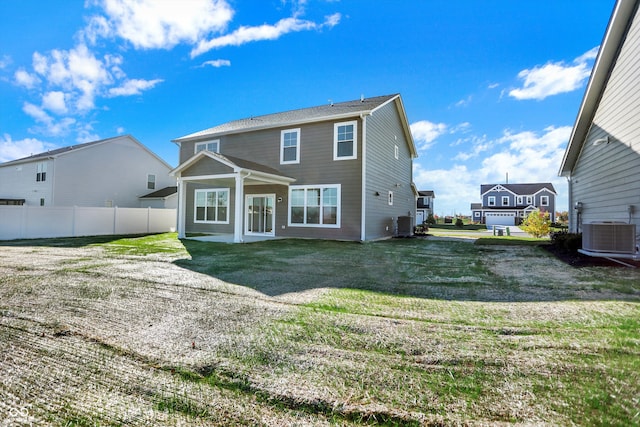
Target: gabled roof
614 37
520 189
340 110
73 148
161 194
237 164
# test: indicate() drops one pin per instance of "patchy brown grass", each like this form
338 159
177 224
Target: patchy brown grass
413 332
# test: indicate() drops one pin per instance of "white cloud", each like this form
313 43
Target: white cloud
11 150
217 63
23 78
5 61
37 113
48 125
526 156
153 24
554 78
246 34
55 101
133 87
425 133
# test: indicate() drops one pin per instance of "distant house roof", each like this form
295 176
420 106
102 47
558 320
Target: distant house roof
614 37
524 189
329 111
427 193
161 194
71 148
475 206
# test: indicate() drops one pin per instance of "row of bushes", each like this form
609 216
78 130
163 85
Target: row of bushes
565 241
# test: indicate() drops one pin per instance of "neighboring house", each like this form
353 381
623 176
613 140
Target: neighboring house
508 204
337 171
602 158
110 172
424 206
165 198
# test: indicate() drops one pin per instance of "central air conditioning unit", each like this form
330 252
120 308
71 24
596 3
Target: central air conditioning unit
609 237
405 226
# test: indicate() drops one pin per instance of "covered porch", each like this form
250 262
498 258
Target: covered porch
226 199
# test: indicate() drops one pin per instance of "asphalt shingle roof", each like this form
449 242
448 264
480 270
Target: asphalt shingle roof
56 152
286 118
524 189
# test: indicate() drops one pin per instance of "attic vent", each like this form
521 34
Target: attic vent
609 237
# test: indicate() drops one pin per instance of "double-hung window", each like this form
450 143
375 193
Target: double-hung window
151 181
544 200
505 200
314 206
213 146
290 146
212 206
345 136
491 200
520 200
529 200
41 172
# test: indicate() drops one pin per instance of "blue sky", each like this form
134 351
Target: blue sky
490 87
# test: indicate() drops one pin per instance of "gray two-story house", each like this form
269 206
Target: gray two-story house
337 171
508 204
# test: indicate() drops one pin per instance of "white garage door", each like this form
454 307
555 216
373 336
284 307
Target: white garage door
500 218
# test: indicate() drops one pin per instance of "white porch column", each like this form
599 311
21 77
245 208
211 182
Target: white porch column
237 225
182 202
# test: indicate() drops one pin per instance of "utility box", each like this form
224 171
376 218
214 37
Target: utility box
405 226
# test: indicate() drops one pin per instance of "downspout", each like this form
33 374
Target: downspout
182 196
363 207
571 209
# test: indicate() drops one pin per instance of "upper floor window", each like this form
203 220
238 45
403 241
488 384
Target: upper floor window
344 141
491 200
396 151
505 200
41 172
390 198
212 206
151 182
529 200
520 200
544 200
213 146
290 146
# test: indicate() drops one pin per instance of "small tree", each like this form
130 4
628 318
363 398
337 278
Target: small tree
430 219
537 223
459 223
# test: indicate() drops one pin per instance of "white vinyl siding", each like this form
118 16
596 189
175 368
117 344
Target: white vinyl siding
314 206
213 146
290 146
212 206
345 136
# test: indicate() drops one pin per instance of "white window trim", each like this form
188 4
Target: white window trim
195 206
355 140
491 201
396 151
390 198
529 200
503 201
149 181
520 200
321 187
206 143
297 160
542 200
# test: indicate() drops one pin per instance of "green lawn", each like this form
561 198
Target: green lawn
419 331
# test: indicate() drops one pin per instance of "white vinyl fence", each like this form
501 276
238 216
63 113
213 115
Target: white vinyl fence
31 222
